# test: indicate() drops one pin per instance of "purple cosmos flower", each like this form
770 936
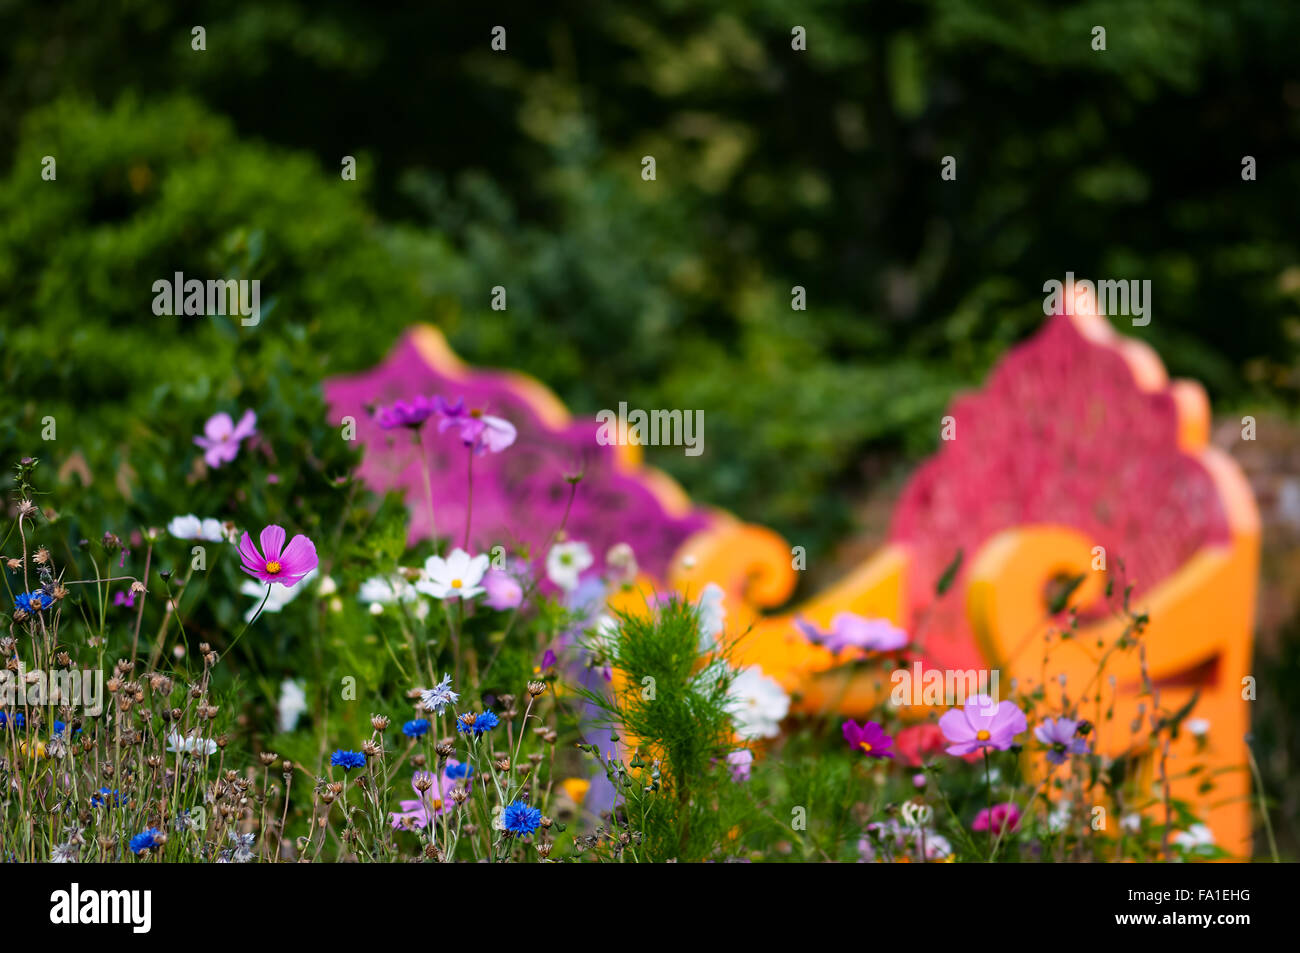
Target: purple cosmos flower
740 763
548 660
869 737
277 562
982 725
412 413
1059 736
222 436
449 415
126 599
851 631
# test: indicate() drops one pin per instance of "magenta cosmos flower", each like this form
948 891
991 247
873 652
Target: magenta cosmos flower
222 436
852 631
870 738
1002 817
1059 734
982 725
403 413
277 562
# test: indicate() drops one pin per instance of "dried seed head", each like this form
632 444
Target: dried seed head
268 758
137 587
423 783
445 748
379 722
41 557
503 764
536 688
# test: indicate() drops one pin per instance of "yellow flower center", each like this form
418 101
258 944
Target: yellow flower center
865 747
455 584
273 567
982 735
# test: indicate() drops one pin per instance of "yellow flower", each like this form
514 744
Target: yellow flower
576 788
40 748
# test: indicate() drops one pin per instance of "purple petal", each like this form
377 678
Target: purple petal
272 542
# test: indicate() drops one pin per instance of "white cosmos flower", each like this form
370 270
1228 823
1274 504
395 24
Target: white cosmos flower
1199 727
281 595
387 590
456 577
712 615
758 703
1131 823
190 744
1195 837
191 527
293 702
566 562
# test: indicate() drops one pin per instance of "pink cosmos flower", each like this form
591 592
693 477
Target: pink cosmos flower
222 436
1003 816
478 431
982 725
431 803
503 590
483 433
870 738
852 631
277 562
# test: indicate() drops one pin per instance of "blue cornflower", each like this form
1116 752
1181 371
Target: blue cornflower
33 602
417 728
485 722
457 771
520 819
104 796
145 840
347 760
19 719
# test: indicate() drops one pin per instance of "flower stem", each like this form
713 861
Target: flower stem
428 489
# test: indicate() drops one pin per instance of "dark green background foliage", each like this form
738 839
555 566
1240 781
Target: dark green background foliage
775 168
